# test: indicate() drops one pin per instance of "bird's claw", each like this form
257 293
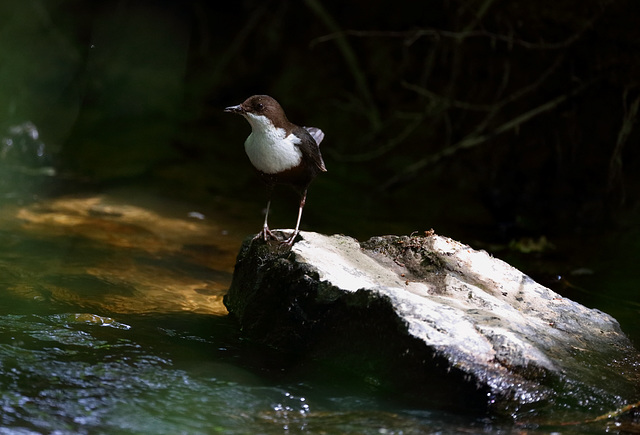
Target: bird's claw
265 235
292 238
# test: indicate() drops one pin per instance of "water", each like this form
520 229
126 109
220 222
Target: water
79 377
111 321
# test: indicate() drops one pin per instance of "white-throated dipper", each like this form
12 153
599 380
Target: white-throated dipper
281 152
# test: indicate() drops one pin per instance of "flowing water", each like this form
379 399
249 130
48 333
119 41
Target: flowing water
111 321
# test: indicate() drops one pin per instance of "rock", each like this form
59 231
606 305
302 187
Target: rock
433 319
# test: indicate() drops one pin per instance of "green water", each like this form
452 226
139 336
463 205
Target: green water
111 322
91 342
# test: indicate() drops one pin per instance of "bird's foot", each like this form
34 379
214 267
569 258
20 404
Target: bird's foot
265 234
292 238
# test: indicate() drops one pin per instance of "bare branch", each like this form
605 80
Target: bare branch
479 15
411 36
474 139
377 152
486 107
351 60
615 164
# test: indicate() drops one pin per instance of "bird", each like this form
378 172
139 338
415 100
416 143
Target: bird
281 152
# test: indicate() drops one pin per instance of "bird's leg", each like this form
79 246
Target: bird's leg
303 199
266 234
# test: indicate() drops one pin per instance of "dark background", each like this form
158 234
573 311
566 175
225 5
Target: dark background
509 125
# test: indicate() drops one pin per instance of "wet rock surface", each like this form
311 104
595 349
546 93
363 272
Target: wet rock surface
433 319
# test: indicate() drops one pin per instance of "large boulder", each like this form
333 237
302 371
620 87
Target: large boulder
436 320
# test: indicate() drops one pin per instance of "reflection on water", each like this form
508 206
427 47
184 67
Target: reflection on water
111 321
81 373
117 257
63 373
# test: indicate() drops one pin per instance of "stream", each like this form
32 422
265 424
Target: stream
111 321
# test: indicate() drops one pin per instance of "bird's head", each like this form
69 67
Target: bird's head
261 111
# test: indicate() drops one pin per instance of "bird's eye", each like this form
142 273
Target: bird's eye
259 106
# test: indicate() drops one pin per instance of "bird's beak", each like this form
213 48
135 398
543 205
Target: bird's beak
235 109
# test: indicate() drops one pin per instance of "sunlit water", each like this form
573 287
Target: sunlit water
111 321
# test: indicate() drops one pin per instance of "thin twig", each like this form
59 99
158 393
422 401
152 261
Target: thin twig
351 59
236 44
615 163
607 416
473 139
410 36
486 107
479 15
381 150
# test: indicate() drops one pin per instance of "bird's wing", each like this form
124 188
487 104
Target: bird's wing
311 148
316 134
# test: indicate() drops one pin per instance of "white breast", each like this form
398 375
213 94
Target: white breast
268 147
